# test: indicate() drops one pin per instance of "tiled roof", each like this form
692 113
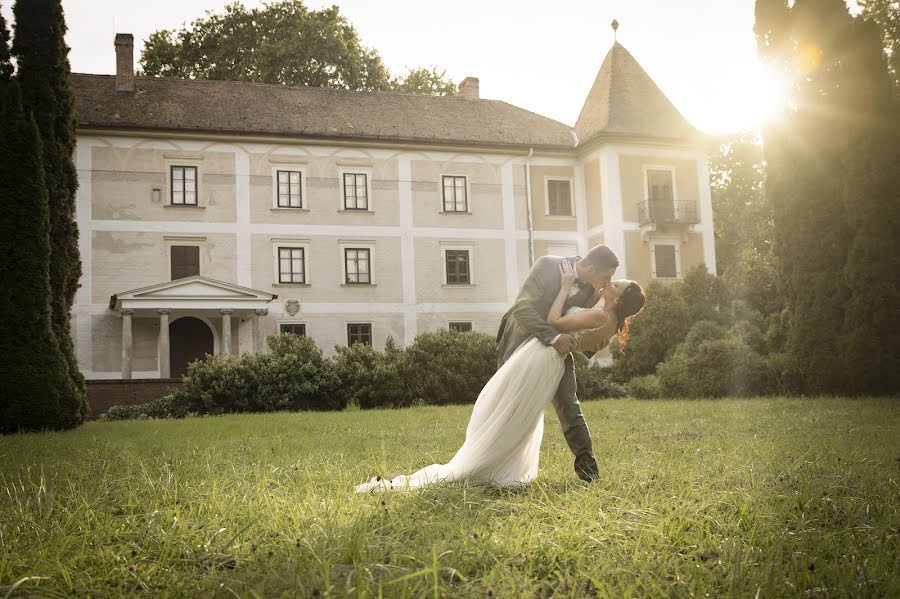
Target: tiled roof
263 109
624 101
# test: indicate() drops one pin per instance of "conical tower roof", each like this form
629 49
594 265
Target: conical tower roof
624 101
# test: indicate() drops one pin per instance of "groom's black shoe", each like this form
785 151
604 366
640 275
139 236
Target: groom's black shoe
586 468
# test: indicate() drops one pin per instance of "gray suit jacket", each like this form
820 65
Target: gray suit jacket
528 316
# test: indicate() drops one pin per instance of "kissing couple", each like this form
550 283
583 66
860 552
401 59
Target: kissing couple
558 311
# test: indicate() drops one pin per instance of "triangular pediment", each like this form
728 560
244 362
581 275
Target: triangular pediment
191 289
625 102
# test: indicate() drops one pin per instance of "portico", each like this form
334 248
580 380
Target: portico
195 317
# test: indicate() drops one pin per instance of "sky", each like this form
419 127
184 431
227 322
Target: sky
539 55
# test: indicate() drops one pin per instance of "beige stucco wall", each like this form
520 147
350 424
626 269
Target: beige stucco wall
485 196
324 270
632 179
488 265
323 201
543 221
637 259
691 252
124 260
482 322
125 178
592 193
638 254
329 330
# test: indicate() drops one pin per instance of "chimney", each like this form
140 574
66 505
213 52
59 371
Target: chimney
124 62
469 88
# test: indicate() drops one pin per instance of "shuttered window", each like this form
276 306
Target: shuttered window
559 198
185 261
666 262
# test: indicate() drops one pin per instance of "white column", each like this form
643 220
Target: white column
127 344
242 196
508 192
706 214
611 198
226 332
259 332
164 369
581 216
407 251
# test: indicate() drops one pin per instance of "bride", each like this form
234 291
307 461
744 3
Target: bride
503 439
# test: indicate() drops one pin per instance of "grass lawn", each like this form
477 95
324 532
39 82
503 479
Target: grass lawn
767 497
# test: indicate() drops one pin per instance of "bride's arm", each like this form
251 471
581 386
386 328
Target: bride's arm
586 319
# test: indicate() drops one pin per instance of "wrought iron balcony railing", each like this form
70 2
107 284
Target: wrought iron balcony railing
665 212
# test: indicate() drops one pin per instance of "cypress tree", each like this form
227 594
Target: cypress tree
34 382
6 68
43 72
830 163
871 333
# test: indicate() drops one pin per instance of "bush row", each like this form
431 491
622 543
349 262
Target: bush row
438 368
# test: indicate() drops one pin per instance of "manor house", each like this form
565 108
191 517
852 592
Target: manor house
215 213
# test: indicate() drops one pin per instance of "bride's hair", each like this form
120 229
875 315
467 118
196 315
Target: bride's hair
629 303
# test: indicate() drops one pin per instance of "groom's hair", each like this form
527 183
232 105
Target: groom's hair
601 258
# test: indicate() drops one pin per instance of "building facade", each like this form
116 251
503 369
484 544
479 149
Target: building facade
213 214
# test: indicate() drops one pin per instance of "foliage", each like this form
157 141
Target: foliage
886 14
6 67
449 367
294 376
166 407
643 387
655 331
369 378
282 42
594 382
833 195
35 388
43 71
712 363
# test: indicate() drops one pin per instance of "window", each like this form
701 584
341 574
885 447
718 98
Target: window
184 185
455 194
294 328
665 261
659 186
356 194
461 327
291 265
359 333
559 197
185 261
290 193
356 266
457 267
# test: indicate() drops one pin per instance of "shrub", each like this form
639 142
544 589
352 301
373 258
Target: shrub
644 387
160 408
372 379
294 376
449 367
594 382
655 332
713 367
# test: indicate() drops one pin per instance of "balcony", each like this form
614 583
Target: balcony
667 212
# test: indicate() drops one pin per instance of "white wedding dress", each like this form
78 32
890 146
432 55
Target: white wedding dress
503 439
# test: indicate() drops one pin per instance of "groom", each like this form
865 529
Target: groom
528 318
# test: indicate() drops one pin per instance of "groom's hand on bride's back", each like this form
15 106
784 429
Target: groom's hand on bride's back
564 344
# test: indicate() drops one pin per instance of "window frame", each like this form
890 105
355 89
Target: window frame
356 244
171 180
350 170
371 342
451 246
460 322
667 242
277 244
276 196
292 323
346 269
443 200
571 182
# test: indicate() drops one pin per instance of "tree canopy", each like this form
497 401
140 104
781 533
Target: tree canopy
283 42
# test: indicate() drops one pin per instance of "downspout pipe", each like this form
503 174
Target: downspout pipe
528 205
